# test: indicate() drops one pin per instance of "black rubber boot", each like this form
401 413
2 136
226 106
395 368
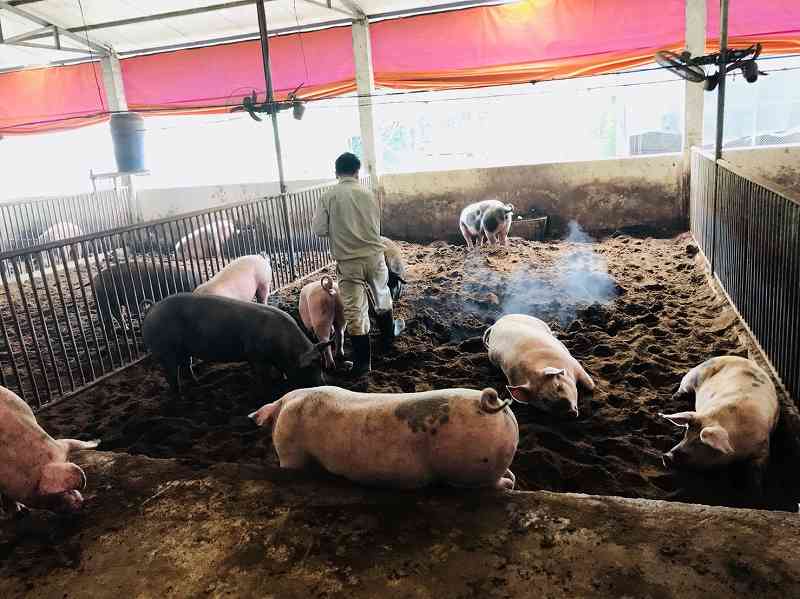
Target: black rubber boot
362 356
390 328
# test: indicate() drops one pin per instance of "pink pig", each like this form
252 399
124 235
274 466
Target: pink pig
462 437
242 279
322 312
33 466
207 241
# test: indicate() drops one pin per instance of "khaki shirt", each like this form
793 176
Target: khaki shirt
349 215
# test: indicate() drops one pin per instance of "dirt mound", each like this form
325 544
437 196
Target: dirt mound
636 312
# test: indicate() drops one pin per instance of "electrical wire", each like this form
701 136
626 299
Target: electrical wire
91 58
300 38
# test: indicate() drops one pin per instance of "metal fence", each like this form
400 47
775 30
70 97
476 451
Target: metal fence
749 231
26 223
70 310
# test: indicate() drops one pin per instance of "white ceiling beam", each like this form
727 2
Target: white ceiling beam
355 7
28 35
95 46
329 5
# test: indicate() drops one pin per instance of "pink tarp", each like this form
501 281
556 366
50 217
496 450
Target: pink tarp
529 31
491 45
222 75
63 97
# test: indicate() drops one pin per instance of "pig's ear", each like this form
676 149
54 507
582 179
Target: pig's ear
550 371
519 392
716 437
684 419
58 477
314 353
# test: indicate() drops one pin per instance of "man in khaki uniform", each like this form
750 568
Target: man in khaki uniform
348 214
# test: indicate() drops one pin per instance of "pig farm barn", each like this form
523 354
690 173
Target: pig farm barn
676 246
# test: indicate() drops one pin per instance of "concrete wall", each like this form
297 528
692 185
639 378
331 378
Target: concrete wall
602 195
160 203
779 164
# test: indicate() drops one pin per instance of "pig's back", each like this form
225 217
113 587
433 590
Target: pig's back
519 332
740 382
398 439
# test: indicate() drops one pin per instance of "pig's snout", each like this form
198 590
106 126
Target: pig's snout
575 412
253 416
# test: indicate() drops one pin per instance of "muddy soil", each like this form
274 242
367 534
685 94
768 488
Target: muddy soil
638 313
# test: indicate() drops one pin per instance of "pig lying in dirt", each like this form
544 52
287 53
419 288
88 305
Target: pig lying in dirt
34 470
461 437
207 241
130 284
490 219
220 329
322 313
243 279
736 410
539 368
396 266
58 232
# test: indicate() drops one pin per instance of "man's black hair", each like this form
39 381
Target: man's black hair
347 164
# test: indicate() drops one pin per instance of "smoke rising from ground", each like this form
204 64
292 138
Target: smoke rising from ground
578 279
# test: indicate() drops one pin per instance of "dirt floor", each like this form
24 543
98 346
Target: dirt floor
655 318
158 529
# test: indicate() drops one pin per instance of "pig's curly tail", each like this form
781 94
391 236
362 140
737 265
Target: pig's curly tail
491 402
327 284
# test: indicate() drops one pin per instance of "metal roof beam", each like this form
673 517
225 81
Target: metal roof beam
328 4
355 8
43 23
35 34
186 12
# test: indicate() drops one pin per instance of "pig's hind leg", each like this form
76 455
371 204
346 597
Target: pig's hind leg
466 235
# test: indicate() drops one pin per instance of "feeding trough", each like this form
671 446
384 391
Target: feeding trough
530 228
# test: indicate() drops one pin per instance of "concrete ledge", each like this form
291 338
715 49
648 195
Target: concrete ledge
603 195
156 528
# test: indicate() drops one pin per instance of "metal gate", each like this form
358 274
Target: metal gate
749 231
70 309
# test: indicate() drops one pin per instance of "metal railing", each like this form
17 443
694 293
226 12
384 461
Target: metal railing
749 231
26 223
70 310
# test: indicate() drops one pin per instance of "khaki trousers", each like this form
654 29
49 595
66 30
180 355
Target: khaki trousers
362 280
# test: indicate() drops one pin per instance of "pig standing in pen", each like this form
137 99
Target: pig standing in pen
34 470
539 368
207 241
462 437
245 278
322 313
220 329
736 410
129 285
490 219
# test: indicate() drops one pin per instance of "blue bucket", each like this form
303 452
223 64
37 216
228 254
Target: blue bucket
127 133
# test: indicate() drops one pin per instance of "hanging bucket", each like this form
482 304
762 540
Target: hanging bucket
127 133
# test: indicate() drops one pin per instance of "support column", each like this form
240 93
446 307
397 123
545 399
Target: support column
112 82
693 93
365 85
117 102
